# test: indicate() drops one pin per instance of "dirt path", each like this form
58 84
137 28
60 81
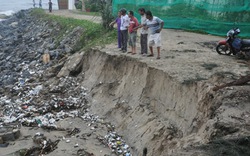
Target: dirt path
184 55
74 14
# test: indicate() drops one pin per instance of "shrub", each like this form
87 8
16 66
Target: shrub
93 35
106 13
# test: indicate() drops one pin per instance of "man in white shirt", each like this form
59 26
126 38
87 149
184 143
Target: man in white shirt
124 30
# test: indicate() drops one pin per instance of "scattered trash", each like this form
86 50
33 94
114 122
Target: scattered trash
74 131
45 145
4 145
76 145
82 152
116 143
29 99
46 58
44 113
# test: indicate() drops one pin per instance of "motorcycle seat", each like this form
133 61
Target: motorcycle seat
245 43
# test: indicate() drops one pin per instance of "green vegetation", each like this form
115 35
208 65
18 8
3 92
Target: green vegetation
98 7
86 13
106 13
201 16
90 5
94 34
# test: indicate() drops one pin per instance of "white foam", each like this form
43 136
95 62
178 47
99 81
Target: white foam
7 13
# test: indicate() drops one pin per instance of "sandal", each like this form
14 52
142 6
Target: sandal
133 53
150 55
158 57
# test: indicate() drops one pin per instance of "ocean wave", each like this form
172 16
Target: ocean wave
7 13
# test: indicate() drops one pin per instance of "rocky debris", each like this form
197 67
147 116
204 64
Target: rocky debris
72 38
73 66
25 40
32 96
3 16
29 99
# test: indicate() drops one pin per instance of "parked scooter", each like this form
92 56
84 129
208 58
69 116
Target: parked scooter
234 45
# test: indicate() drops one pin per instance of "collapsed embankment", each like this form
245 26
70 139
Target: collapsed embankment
78 95
151 109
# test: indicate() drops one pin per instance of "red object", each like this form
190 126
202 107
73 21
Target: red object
25 106
223 42
132 24
61 103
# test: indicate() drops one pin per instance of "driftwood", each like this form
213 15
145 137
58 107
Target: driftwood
241 81
42 149
244 62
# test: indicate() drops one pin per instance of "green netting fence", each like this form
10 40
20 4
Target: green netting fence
209 16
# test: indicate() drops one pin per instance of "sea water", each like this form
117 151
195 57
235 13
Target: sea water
8 7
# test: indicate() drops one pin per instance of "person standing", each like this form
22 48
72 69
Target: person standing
118 23
155 25
50 6
40 3
124 30
34 3
144 32
132 33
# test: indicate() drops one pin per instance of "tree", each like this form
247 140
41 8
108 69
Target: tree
83 6
105 8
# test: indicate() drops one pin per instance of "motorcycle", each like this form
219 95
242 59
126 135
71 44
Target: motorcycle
234 45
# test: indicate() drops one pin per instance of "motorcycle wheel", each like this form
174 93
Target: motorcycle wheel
223 49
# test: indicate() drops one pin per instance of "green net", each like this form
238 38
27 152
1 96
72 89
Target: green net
209 16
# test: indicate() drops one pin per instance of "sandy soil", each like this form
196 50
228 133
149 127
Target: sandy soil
184 56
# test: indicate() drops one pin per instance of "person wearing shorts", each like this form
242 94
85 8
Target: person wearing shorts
155 25
132 33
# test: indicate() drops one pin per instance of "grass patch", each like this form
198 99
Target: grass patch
86 13
94 34
209 66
